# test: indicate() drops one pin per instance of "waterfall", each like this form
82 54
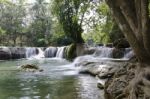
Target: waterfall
31 51
60 52
128 53
40 54
103 52
50 52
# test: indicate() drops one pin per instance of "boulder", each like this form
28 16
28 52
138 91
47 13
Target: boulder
70 52
118 53
115 87
109 45
17 53
5 53
121 43
30 67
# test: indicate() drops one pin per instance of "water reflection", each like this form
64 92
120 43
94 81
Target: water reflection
58 81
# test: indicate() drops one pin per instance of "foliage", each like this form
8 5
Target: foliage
58 37
71 51
67 12
57 23
101 24
115 33
11 19
103 28
40 27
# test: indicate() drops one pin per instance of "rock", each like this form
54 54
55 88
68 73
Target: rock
115 87
109 45
89 51
100 85
30 67
118 53
90 68
121 43
70 52
100 44
17 53
5 53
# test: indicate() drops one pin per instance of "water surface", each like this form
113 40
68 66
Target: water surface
59 80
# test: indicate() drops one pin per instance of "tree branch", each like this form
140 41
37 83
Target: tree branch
139 23
128 11
145 20
125 27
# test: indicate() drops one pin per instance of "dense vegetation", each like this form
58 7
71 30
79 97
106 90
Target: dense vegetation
55 22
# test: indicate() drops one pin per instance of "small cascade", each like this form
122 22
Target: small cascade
60 52
31 51
40 54
50 52
128 53
83 59
103 52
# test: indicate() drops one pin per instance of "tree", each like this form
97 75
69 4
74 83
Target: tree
40 26
70 14
132 16
100 25
11 19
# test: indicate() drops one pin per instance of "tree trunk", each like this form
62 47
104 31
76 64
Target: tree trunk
132 16
79 38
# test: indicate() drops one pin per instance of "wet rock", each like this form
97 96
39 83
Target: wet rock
100 44
118 53
17 53
115 87
100 69
100 85
89 51
5 53
109 45
121 43
30 67
90 68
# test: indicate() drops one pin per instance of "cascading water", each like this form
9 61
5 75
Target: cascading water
31 51
128 53
103 52
60 52
50 52
40 54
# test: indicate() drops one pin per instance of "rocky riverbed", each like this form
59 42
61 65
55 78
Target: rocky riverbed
118 77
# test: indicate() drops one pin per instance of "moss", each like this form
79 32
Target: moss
71 52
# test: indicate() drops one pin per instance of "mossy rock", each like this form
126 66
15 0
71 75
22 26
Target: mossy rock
70 51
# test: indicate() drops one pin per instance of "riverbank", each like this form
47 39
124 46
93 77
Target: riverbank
118 77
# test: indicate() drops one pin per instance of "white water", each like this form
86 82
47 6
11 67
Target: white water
40 54
103 52
30 52
50 52
33 52
128 53
60 52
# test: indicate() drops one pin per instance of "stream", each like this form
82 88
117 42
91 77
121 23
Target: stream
59 80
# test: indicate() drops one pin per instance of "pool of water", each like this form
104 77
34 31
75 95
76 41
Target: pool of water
59 80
